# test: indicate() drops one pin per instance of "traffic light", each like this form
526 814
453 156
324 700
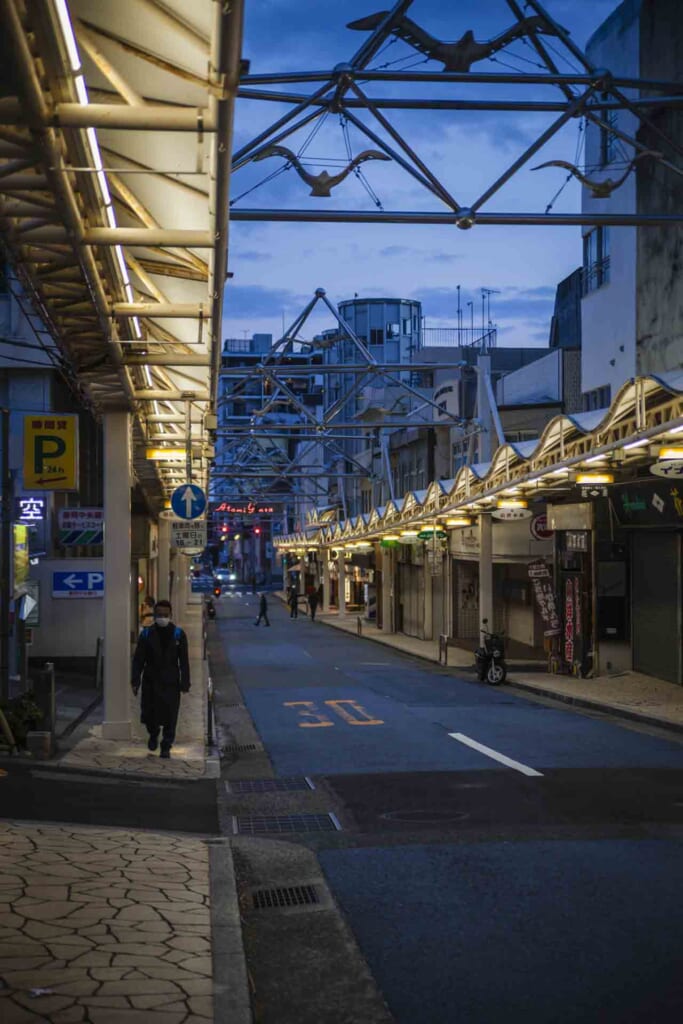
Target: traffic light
257 531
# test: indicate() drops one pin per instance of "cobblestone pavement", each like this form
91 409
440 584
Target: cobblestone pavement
103 926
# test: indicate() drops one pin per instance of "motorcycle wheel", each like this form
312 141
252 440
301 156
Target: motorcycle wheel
496 673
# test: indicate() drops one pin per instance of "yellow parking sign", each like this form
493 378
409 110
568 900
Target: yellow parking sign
51 452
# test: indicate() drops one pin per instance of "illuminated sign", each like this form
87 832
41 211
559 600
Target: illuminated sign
249 508
31 510
51 452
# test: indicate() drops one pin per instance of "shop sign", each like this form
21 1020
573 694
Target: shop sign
30 509
594 491
79 526
31 588
511 514
539 574
658 503
670 468
576 540
539 529
435 561
569 606
245 508
20 554
51 452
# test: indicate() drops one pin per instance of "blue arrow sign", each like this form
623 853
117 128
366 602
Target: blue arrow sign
188 501
78 584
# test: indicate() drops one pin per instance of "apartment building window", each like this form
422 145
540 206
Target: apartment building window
596 260
608 140
598 398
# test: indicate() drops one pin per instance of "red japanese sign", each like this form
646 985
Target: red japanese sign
569 626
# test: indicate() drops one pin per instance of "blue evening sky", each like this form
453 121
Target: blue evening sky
277 266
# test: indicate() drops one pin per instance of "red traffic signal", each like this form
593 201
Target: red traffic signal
257 530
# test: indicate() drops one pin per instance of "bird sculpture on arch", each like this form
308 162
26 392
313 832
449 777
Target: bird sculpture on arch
599 189
323 183
457 56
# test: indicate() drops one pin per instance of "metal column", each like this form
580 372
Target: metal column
387 591
341 584
486 570
164 560
325 555
117 560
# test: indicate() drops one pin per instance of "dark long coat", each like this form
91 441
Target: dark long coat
162 665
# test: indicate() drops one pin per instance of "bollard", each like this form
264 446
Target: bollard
359 626
209 712
99 662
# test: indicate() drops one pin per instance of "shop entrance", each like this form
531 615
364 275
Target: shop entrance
656 604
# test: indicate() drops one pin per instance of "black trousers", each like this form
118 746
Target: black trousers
294 611
262 615
160 709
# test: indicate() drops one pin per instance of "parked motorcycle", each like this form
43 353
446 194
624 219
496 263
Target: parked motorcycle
490 657
211 609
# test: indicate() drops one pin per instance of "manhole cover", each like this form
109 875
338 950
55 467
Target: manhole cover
425 817
292 896
284 785
261 824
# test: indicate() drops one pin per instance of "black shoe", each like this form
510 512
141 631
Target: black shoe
165 752
153 742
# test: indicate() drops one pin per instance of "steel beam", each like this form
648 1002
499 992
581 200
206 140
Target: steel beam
168 359
376 368
188 310
469 77
417 217
157 395
146 237
150 117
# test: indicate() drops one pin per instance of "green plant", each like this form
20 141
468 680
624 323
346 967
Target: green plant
22 714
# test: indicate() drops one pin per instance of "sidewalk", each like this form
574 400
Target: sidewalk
188 756
116 927
629 695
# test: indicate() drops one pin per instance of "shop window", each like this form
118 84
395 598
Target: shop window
608 140
596 260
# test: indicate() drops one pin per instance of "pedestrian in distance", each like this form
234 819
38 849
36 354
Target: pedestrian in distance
161 666
293 603
262 611
313 603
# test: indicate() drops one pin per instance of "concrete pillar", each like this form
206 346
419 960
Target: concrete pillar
117 569
164 559
427 611
341 588
325 555
486 570
387 591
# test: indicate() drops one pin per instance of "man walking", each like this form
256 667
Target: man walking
293 603
313 603
162 666
262 611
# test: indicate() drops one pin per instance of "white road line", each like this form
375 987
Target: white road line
494 754
306 653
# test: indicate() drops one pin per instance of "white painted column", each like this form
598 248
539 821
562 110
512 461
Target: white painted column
164 559
387 590
486 570
341 588
117 569
325 555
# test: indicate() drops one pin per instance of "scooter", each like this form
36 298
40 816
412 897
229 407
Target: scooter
490 657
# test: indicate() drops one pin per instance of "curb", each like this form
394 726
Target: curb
105 773
231 999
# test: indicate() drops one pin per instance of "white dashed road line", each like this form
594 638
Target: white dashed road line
494 754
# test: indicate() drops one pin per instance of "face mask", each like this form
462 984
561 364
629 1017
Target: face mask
162 623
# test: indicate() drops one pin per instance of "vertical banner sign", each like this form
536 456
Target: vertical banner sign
578 626
569 626
20 559
51 452
539 574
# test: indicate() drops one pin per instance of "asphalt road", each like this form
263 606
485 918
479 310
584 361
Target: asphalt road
34 793
500 857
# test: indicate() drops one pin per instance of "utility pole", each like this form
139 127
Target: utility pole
5 554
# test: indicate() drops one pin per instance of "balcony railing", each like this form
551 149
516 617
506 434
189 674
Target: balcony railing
459 337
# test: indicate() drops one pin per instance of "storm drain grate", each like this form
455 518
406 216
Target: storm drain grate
241 748
259 824
285 785
292 896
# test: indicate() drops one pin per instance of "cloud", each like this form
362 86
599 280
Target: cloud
253 255
258 301
534 306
